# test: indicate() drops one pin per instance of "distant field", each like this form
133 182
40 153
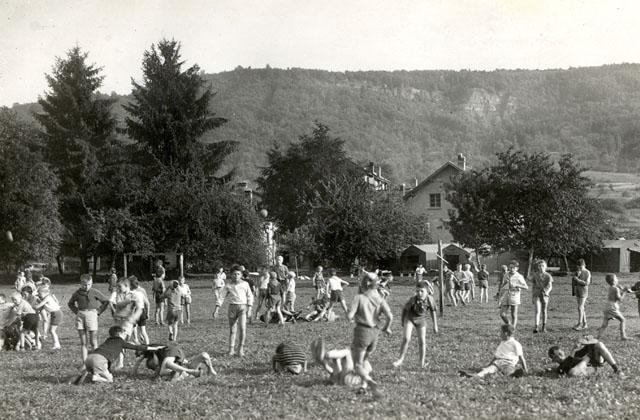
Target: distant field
622 188
33 383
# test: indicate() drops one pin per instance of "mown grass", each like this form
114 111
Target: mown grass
32 384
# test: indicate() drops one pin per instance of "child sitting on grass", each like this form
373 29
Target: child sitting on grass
99 362
415 314
289 358
506 357
612 309
240 303
168 361
342 371
320 306
588 355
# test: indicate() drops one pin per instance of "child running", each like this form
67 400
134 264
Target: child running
240 303
366 308
334 290
506 357
612 308
414 315
49 303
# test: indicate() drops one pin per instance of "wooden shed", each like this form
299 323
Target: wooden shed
617 256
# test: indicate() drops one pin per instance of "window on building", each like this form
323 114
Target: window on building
435 200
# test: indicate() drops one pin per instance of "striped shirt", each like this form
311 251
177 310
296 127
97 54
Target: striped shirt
289 355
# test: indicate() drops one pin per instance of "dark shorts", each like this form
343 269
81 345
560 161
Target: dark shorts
458 287
272 301
418 321
56 318
365 338
466 286
484 284
30 322
158 297
594 356
142 321
336 296
173 315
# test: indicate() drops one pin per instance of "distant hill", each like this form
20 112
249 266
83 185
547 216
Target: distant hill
620 197
413 121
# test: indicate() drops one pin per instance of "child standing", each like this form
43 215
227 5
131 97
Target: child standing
450 282
23 310
461 281
470 281
612 308
141 325
506 358
580 283
173 295
158 289
50 304
334 290
218 285
483 279
509 292
274 298
414 315
240 303
186 300
318 282
365 311
87 303
290 297
263 284
542 284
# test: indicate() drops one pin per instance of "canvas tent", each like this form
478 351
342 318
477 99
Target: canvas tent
425 254
617 256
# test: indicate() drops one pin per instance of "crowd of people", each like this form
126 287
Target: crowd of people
35 312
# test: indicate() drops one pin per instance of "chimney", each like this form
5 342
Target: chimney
462 162
380 171
415 182
403 189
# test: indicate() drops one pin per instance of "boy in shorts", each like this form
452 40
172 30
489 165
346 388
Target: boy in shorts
49 303
365 311
240 303
173 295
414 315
506 357
612 308
509 294
158 289
87 303
100 361
483 279
588 355
334 290
580 287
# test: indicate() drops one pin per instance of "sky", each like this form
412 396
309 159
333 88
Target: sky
336 35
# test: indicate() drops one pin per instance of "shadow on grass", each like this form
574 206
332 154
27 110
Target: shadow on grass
49 379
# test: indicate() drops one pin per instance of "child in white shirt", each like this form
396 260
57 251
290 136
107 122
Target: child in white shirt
334 291
506 357
240 303
290 297
186 300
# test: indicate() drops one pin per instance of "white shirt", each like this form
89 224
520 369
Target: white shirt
291 286
239 294
335 283
185 289
49 303
509 350
219 281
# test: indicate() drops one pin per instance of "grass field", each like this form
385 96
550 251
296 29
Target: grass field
32 384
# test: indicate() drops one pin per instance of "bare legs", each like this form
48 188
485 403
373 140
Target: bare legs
506 310
540 307
242 321
582 315
422 341
605 323
83 342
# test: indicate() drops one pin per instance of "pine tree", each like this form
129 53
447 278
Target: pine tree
170 112
78 130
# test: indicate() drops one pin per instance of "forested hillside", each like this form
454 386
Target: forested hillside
412 121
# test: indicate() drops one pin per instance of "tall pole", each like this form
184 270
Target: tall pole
181 262
441 277
125 265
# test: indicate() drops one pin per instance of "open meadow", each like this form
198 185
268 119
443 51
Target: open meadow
33 383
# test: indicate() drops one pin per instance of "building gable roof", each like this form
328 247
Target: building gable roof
430 178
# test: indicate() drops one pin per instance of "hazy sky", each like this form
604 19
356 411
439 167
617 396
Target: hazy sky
324 34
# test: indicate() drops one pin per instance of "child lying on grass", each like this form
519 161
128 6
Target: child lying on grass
585 359
506 357
99 362
168 361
